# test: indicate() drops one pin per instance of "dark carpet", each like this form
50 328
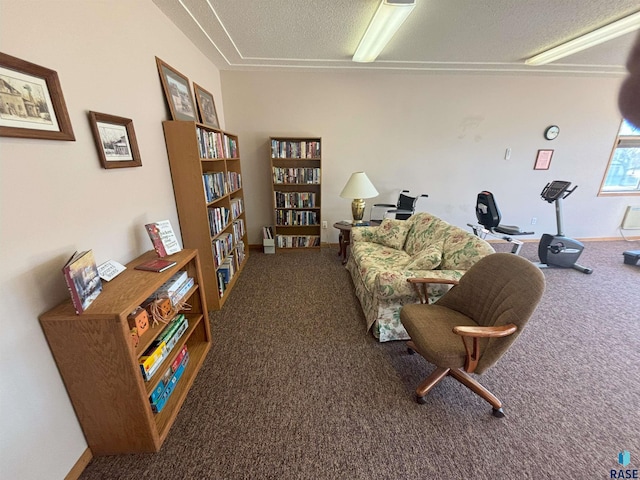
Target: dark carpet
295 388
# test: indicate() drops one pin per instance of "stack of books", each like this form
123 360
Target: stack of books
165 388
153 357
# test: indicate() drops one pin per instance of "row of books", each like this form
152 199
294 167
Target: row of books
174 289
289 218
213 144
234 180
221 247
214 185
296 175
295 149
297 241
238 230
165 388
161 347
229 267
295 199
218 219
267 232
237 207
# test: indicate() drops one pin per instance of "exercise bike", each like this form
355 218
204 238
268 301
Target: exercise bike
558 250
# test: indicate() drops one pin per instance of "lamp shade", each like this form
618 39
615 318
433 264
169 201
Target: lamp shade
359 186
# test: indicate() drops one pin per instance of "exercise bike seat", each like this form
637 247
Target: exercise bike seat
510 230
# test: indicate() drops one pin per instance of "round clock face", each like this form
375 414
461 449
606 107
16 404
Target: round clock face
551 132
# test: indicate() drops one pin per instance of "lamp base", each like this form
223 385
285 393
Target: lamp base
357 209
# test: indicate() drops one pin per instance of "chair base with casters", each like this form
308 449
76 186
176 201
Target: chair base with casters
402 210
469 328
489 217
459 374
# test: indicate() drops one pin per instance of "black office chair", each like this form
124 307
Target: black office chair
489 218
402 210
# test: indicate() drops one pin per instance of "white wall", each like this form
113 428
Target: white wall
444 135
56 197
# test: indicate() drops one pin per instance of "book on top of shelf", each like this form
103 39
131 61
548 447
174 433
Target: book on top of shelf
155 265
163 238
82 278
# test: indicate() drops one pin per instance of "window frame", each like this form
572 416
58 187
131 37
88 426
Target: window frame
626 141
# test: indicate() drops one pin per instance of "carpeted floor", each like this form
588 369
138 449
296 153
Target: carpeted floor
295 388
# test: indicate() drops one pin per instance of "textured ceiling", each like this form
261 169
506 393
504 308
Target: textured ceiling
439 35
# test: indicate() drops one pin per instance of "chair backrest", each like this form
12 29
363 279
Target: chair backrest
405 202
487 210
499 289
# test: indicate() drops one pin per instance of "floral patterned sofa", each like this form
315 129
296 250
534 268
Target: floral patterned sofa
383 257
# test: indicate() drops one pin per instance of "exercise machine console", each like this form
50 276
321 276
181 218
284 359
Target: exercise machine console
558 250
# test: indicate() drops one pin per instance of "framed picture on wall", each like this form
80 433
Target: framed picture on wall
32 103
543 160
177 92
115 140
206 107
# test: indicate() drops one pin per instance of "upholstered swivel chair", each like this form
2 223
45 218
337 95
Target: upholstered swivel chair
403 209
469 328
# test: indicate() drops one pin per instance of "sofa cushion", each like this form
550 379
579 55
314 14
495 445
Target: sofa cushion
428 259
425 230
392 233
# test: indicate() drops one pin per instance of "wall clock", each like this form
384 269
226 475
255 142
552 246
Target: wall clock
551 132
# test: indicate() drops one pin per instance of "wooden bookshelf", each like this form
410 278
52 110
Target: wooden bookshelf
99 362
196 151
296 169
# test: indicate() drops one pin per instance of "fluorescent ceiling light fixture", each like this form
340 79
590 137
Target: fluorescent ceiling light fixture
390 15
608 32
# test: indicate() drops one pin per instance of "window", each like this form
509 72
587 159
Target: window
623 171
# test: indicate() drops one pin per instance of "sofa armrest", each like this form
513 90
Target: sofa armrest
363 234
395 284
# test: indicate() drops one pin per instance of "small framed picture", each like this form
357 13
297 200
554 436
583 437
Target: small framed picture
177 92
32 103
206 107
115 140
543 160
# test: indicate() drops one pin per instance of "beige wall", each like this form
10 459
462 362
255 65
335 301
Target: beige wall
444 135
56 198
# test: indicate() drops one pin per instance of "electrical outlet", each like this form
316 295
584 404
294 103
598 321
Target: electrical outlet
534 220
324 224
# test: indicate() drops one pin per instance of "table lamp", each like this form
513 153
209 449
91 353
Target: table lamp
358 188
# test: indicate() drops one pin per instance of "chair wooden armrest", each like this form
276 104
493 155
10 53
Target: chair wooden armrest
420 286
501 331
473 353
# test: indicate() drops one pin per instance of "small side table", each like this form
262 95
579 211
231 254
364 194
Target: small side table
344 238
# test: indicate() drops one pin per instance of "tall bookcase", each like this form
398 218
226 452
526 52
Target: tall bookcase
296 168
99 361
207 183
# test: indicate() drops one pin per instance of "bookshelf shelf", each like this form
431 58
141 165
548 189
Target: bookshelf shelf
99 362
210 202
296 168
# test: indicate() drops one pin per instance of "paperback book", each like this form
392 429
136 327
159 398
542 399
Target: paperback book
83 280
163 238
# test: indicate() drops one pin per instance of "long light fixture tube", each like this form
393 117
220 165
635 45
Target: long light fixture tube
608 32
390 15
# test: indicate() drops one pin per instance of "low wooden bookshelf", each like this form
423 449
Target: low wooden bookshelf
99 362
296 169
